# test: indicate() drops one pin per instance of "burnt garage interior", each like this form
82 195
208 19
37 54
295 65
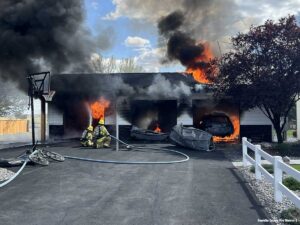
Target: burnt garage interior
147 101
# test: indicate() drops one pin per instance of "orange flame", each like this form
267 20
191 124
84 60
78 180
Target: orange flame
200 76
157 129
98 108
199 73
235 135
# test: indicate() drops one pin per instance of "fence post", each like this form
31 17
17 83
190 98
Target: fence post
277 179
257 162
245 163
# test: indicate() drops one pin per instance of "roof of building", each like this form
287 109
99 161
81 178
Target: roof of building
116 83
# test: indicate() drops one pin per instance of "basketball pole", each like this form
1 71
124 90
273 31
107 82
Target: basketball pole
37 89
32 114
43 120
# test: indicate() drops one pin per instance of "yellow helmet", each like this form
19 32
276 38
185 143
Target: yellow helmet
101 121
90 128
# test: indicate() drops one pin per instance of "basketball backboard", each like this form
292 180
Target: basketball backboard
39 84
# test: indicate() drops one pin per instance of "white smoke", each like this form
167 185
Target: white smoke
163 88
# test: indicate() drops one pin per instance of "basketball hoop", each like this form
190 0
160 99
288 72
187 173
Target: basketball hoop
48 97
39 84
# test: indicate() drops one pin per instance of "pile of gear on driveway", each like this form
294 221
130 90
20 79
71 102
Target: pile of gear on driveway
34 155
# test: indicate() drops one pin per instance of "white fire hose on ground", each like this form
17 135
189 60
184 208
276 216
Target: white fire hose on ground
15 175
186 157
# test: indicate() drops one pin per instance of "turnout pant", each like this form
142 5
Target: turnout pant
103 142
87 143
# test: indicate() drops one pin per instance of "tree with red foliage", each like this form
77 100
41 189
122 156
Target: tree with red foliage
262 70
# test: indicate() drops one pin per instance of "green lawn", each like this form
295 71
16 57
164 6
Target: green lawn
290 133
296 166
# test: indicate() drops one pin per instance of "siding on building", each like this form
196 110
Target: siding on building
254 117
55 117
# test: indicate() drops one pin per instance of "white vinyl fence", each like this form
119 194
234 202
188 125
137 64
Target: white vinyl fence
279 167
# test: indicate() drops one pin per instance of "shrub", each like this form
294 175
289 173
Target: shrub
283 149
294 133
291 183
268 167
291 216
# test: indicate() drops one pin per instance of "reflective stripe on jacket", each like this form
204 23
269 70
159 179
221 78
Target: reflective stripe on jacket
100 131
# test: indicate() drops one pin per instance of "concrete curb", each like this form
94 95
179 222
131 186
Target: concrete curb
293 161
29 144
14 145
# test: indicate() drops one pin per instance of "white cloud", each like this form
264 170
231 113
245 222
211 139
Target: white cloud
257 12
153 10
95 4
149 59
136 42
141 9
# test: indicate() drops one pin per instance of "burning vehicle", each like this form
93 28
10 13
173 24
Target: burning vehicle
217 124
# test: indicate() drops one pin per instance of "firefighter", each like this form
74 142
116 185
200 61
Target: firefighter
87 137
101 136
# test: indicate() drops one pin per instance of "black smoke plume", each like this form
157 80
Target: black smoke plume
171 22
40 34
194 21
180 44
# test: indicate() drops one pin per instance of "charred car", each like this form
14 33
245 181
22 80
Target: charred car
218 124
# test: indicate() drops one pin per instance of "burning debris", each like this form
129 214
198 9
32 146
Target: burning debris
157 129
149 135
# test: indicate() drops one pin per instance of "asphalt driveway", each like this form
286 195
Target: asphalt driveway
205 190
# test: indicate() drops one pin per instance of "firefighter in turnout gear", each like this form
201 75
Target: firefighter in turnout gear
101 135
87 137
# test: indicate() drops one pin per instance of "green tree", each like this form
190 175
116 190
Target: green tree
262 70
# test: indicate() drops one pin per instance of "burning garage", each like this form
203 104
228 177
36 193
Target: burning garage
148 101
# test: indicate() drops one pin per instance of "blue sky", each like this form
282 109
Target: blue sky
124 27
136 20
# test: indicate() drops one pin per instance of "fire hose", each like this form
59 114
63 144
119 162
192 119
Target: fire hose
15 175
37 156
186 157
